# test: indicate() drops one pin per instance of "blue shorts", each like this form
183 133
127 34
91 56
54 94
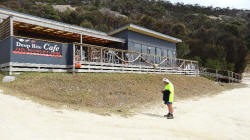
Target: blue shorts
166 99
167 102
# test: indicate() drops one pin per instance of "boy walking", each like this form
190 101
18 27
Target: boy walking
168 97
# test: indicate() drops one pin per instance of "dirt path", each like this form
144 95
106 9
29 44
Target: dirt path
226 116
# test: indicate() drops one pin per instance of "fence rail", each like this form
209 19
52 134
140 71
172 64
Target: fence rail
92 58
221 75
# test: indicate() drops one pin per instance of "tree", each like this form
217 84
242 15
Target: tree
87 24
102 27
234 29
97 3
215 64
179 29
147 21
183 50
14 4
240 63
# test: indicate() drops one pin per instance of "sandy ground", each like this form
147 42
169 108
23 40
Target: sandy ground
222 117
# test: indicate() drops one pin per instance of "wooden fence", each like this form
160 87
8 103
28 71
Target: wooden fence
221 75
92 58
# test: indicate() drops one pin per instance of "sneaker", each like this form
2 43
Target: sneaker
169 116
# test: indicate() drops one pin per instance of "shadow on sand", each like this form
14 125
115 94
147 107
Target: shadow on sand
153 115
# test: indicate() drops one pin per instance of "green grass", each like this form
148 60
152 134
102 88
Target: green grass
2 74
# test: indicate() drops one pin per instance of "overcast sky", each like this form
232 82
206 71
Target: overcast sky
239 4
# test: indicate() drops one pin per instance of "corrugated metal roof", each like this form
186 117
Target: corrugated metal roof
146 31
55 24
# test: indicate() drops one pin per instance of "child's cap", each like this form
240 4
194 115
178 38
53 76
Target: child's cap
165 80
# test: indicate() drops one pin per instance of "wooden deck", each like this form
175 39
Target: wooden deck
102 59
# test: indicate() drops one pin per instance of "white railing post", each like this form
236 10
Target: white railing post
81 59
11 27
74 61
11 34
10 68
101 56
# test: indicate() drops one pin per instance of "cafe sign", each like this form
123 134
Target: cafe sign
37 47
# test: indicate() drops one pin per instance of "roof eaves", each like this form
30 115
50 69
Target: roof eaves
155 33
139 29
119 30
17 14
75 29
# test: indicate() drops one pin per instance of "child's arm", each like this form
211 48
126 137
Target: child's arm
165 92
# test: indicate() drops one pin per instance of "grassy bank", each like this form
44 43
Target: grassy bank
106 92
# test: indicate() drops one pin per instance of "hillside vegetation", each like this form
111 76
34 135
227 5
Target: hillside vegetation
217 38
106 92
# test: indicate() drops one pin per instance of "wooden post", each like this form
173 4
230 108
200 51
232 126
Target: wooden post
81 47
140 62
101 56
89 55
11 27
81 38
11 34
74 61
154 59
123 57
10 69
217 78
233 77
123 63
228 76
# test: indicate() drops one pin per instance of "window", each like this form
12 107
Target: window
170 53
174 60
158 51
165 53
158 54
144 49
131 45
151 50
137 47
174 53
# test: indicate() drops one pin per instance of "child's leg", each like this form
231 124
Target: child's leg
170 108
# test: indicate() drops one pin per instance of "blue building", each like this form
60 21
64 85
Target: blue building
29 42
147 41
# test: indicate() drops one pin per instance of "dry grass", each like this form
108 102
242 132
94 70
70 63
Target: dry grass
107 92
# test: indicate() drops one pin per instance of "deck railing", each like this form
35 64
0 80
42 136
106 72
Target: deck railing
221 75
86 54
